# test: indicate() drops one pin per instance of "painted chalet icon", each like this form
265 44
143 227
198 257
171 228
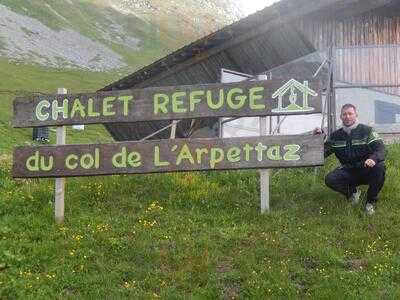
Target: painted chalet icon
293 87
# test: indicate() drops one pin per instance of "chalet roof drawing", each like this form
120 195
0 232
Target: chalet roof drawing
293 83
291 87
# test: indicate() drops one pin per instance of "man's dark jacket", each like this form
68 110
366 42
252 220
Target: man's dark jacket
352 150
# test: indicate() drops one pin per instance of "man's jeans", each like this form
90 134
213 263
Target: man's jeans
345 180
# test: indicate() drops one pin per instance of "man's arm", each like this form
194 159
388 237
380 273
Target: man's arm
377 147
328 149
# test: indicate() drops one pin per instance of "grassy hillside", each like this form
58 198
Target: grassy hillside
134 33
187 235
197 235
18 79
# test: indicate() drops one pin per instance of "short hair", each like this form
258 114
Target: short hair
349 105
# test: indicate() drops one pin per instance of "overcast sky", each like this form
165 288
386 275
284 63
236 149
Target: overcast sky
251 6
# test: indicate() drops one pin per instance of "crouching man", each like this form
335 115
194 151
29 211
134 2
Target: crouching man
361 153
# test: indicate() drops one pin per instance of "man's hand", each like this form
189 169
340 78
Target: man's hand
370 163
317 131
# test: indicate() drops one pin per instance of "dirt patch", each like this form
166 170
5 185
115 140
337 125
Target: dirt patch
355 264
229 289
310 263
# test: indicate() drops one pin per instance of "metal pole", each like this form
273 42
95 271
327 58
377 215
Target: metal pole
329 95
158 131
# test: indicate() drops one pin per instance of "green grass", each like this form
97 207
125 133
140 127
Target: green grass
19 79
197 235
173 25
82 15
186 235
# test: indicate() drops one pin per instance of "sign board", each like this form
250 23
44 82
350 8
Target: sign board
168 156
242 99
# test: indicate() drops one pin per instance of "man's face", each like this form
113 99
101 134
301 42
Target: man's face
348 116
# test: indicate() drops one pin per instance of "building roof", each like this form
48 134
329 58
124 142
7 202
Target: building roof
252 45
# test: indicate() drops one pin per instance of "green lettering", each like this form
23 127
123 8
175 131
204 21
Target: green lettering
233 154
56 110
260 148
177 103
125 100
184 154
78 107
235 94
274 153
39 110
193 100
247 148
32 163
68 164
107 105
38 163
43 166
216 156
97 158
160 103
291 154
134 159
91 111
87 161
253 97
119 159
157 160
199 154
220 102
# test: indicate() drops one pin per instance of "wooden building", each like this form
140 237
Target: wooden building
365 35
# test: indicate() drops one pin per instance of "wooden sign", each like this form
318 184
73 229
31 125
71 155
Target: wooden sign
168 156
242 99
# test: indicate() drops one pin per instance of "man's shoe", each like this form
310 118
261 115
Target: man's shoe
355 197
369 209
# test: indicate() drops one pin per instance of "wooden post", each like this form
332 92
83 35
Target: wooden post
220 129
264 173
60 182
173 129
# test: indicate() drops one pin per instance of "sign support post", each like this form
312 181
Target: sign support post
242 99
60 182
173 129
264 173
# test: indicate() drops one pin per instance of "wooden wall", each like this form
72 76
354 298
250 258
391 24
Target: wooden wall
368 29
376 63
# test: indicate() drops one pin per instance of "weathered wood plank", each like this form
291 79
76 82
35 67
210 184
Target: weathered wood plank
168 156
248 98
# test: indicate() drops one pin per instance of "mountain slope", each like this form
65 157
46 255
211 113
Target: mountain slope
102 35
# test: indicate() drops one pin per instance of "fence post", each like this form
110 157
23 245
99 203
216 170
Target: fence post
60 182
